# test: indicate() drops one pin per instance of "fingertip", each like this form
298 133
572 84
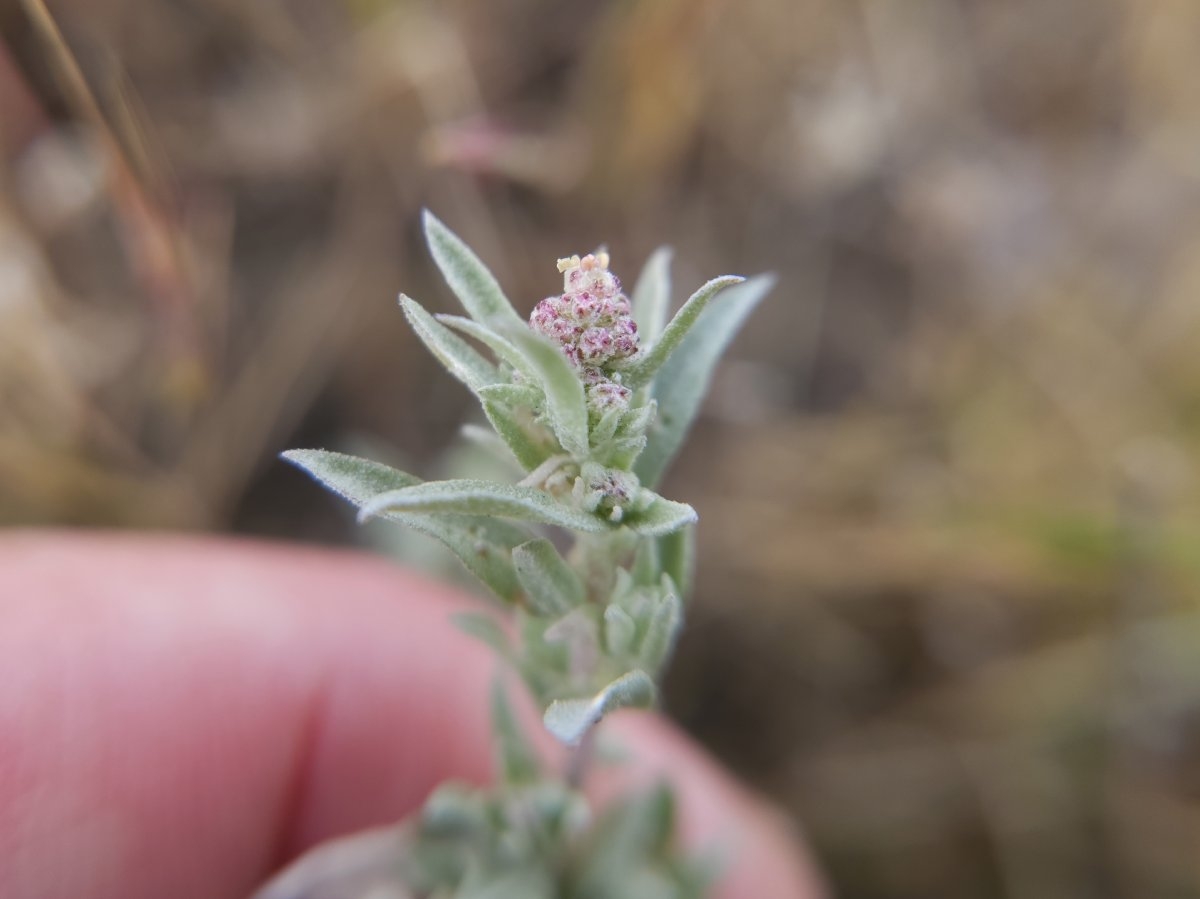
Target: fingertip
760 850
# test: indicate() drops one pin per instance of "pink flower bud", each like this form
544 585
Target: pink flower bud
592 319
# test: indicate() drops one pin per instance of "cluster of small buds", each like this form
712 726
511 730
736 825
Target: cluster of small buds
593 323
604 394
609 491
592 319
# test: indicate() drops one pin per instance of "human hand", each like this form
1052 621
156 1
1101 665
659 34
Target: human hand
180 717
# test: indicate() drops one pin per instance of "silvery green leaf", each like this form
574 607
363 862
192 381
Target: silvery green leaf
570 719
551 587
528 882
525 395
630 834
482 544
452 351
475 286
652 295
606 427
486 630
543 663
677 557
501 346
661 631
639 418
647 566
485 439
350 477
643 368
518 762
622 452
662 517
454 810
472 497
578 632
566 405
619 630
683 380
508 410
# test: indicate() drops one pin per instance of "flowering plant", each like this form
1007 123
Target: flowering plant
589 400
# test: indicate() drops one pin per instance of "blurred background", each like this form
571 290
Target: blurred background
948 606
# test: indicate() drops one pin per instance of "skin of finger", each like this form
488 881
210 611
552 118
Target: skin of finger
180 716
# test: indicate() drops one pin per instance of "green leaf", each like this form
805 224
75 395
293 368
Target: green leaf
518 762
631 833
644 367
570 719
652 295
484 545
647 565
452 351
475 286
514 395
606 427
683 380
472 497
661 631
528 882
619 631
662 517
350 477
454 811
501 346
550 585
677 557
509 409
566 405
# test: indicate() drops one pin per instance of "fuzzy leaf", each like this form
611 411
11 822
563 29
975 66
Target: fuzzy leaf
514 395
475 286
652 295
550 585
452 351
518 762
482 544
570 719
661 631
631 834
677 557
501 346
606 428
453 811
683 380
643 369
647 564
472 497
566 405
662 517
508 408
486 440
619 630
528 882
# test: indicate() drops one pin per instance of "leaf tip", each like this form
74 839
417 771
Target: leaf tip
297 457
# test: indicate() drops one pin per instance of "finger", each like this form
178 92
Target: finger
757 849
179 717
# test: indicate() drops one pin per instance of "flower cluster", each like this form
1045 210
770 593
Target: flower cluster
593 323
592 624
